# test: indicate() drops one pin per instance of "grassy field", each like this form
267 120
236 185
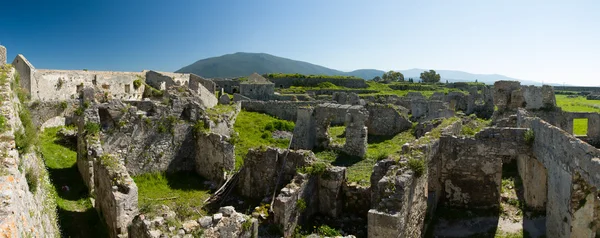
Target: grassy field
359 170
578 104
76 215
254 131
184 193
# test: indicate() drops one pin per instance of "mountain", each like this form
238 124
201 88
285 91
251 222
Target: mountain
244 64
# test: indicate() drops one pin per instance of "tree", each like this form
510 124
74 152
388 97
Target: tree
410 80
430 76
392 76
446 81
377 79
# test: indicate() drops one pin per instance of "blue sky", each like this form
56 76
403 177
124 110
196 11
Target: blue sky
549 41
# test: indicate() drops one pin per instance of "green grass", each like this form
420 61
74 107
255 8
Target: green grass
184 193
76 215
215 112
337 134
385 89
580 126
577 104
379 147
252 134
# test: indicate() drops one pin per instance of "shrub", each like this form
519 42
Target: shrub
79 111
32 180
92 128
301 204
314 169
200 127
279 125
417 166
247 225
265 135
63 105
3 124
529 137
137 83
325 230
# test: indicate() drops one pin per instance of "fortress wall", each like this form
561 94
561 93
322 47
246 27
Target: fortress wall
196 81
25 71
28 204
281 109
2 55
313 82
61 85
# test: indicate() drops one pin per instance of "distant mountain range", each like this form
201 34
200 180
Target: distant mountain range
244 64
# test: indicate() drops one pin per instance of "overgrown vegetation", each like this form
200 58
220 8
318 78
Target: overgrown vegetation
137 83
218 111
300 204
317 168
529 137
337 133
251 126
182 192
473 126
417 166
302 76
77 217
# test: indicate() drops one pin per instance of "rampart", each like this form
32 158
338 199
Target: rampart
313 82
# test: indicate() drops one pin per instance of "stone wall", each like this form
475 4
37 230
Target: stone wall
510 95
50 114
228 85
313 82
2 55
116 195
478 188
26 211
280 109
25 70
386 120
215 156
258 91
164 80
318 193
266 169
568 161
321 117
196 81
399 200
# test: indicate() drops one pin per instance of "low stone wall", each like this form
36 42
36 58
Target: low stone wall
281 109
116 195
313 82
42 112
28 207
357 199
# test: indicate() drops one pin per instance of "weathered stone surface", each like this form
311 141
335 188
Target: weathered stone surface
386 119
236 225
215 156
2 55
116 194
263 169
224 99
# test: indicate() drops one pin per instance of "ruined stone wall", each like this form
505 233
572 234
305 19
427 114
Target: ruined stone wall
116 195
196 81
25 70
228 85
399 201
510 95
281 110
51 114
164 80
386 119
215 156
477 188
566 159
2 55
319 193
28 207
257 91
62 85
313 82
262 167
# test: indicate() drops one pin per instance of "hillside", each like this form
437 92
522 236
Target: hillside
244 64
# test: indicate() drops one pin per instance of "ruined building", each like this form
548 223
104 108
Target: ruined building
135 123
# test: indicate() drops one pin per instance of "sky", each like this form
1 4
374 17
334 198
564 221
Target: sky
547 41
